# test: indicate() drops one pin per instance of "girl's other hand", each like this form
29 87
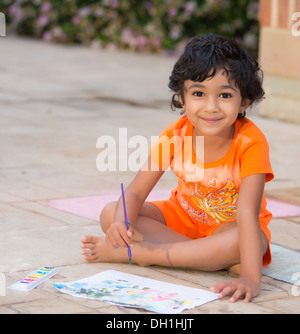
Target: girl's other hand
238 287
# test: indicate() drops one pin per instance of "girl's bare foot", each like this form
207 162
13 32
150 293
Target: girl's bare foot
95 249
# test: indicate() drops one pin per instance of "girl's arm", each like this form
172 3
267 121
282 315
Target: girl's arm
250 241
251 193
135 196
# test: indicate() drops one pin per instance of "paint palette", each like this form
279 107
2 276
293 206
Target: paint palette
34 279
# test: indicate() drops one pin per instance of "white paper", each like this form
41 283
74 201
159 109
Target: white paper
135 291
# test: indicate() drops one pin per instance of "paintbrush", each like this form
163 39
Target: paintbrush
126 221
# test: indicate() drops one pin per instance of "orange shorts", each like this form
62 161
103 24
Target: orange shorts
178 220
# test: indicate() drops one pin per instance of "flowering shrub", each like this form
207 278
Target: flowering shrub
142 25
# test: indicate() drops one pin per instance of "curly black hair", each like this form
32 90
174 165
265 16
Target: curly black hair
205 55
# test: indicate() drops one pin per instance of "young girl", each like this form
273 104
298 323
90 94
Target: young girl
216 217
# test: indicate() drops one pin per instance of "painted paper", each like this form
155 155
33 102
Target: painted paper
135 291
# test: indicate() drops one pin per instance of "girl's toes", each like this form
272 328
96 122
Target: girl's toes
88 246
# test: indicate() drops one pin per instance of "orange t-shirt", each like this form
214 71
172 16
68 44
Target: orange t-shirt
209 192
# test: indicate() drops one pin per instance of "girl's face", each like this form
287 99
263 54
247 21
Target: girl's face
213 105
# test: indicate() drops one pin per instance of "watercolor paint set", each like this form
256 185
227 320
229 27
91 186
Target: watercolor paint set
34 279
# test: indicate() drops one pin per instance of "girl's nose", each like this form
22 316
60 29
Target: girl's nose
211 104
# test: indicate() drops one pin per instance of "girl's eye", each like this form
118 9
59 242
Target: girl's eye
225 95
198 94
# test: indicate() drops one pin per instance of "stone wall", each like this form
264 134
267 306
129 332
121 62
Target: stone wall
279 56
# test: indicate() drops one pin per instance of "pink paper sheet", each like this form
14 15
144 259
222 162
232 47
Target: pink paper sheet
91 206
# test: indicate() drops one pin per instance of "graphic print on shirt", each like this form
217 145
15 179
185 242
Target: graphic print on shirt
219 205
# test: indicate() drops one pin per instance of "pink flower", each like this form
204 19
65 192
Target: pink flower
12 9
47 36
127 36
75 20
142 41
190 6
46 7
148 5
114 3
42 21
173 12
156 43
84 11
16 12
58 34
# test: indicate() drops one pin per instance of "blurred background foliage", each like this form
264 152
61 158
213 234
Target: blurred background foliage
139 25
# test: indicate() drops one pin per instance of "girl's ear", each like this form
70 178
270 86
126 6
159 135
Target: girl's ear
245 104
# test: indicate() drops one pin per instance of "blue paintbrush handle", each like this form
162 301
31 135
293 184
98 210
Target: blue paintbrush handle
126 221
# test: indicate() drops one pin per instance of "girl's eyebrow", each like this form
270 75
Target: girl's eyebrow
198 85
228 87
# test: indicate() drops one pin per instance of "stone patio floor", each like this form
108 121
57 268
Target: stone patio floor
56 101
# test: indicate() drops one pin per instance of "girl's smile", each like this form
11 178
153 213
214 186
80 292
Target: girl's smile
211 120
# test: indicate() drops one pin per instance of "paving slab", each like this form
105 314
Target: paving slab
55 102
